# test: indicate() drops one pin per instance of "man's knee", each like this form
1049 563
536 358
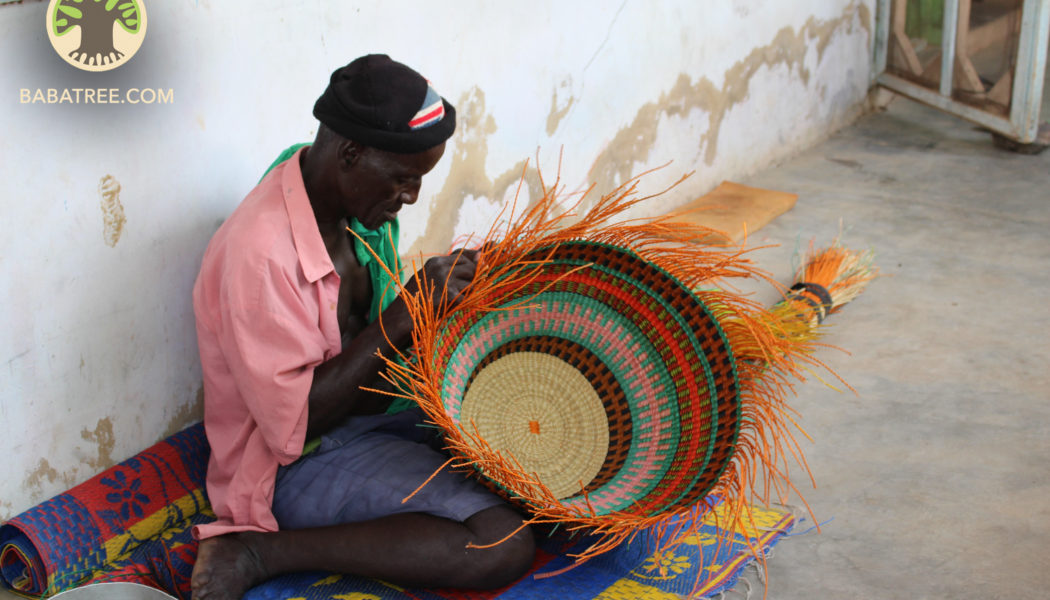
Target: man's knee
507 561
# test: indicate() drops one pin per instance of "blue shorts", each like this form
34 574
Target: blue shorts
363 470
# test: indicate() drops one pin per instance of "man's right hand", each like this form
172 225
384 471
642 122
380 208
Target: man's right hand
447 276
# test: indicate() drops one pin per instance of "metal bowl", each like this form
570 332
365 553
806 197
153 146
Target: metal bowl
114 591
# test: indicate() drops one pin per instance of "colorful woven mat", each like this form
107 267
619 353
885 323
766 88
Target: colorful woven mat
133 516
132 523
630 572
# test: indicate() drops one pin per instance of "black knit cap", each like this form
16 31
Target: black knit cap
384 104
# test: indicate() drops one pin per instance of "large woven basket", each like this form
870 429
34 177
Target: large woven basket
600 376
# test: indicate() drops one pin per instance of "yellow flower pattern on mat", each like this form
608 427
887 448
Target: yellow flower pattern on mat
327 580
700 539
663 565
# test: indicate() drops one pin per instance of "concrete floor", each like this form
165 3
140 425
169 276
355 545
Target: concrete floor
937 473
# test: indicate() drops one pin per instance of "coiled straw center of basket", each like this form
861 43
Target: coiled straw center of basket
543 412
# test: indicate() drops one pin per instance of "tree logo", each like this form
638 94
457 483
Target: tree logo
96 35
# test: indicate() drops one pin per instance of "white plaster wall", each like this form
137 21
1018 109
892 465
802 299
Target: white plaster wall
97 352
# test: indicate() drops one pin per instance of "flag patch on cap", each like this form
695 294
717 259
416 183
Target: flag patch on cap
433 110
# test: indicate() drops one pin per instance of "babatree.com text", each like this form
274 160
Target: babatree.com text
97 96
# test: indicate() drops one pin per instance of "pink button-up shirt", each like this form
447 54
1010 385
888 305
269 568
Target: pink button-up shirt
265 302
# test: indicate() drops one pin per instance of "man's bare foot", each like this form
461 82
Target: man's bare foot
226 567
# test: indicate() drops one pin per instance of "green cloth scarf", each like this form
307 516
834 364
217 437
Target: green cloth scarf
383 241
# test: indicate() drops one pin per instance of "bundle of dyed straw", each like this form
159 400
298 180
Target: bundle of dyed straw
825 280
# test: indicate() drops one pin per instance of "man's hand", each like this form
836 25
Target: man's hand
447 276
336 390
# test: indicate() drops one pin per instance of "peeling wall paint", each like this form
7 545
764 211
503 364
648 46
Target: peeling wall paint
635 142
561 102
104 440
99 457
797 50
43 472
98 356
186 415
112 210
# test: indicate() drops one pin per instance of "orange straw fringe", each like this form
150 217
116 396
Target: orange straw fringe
771 358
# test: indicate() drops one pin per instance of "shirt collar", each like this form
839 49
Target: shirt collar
313 256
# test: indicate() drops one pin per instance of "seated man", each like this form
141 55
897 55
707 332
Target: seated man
287 304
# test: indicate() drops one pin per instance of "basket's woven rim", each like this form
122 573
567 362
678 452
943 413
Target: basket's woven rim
702 332
732 408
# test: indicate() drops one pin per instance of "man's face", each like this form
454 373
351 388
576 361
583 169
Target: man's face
378 183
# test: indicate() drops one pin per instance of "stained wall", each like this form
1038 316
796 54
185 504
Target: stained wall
106 209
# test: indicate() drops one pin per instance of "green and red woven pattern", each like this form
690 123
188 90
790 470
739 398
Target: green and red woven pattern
655 357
